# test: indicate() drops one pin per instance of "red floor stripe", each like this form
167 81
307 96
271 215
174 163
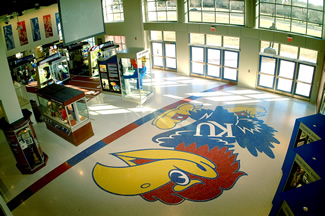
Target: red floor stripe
114 136
49 177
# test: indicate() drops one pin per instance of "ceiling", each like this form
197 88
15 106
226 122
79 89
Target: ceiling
10 6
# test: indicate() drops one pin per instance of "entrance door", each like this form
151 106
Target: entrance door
164 55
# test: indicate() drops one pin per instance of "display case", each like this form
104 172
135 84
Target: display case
65 112
303 169
135 72
24 144
78 58
100 51
93 54
307 130
302 186
22 69
108 70
306 200
54 69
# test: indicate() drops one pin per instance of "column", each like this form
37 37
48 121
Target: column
8 97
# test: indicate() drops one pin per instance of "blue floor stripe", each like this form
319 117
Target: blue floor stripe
149 117
85 153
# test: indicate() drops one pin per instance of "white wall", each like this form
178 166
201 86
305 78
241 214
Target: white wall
132 27
29 14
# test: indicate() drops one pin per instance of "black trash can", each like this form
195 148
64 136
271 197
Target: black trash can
36 111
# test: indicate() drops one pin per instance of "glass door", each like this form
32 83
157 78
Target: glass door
230 63
157 54
304 80
197 60
266 75
170 55
285 76
213 63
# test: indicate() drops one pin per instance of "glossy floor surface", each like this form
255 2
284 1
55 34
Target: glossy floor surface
197 147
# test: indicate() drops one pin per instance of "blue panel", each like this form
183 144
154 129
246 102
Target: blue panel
85 153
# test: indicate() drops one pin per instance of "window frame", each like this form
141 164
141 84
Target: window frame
266 74
297 63
215 13
157 11
107 12
292 18
206 63
163 43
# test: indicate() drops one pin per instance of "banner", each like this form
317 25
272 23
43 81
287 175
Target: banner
35 29
7 31
21 27
58 24
48 26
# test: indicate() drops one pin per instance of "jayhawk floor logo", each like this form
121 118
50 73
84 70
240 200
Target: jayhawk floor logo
199 163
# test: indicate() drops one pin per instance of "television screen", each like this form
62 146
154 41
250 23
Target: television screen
80 19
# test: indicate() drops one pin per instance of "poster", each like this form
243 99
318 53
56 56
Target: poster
58 24
48 26
7 31
35 29
21 27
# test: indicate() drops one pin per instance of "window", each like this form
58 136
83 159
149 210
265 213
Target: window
163 49
113 11
297 16
162 10
221 11
197 38
214 40
290 72
214 56
118 40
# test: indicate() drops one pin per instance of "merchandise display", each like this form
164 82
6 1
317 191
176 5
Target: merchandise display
65 112
303 170
108 70
102 51
78 58
24 144
23 69
93 54
135 72
53 70
300 174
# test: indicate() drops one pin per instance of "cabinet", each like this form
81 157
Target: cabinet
108 70
65 112
135 72
24 144
54 69
302 186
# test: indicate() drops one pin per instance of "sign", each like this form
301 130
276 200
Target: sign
109 77
7 31
21 27
35 29
48 26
